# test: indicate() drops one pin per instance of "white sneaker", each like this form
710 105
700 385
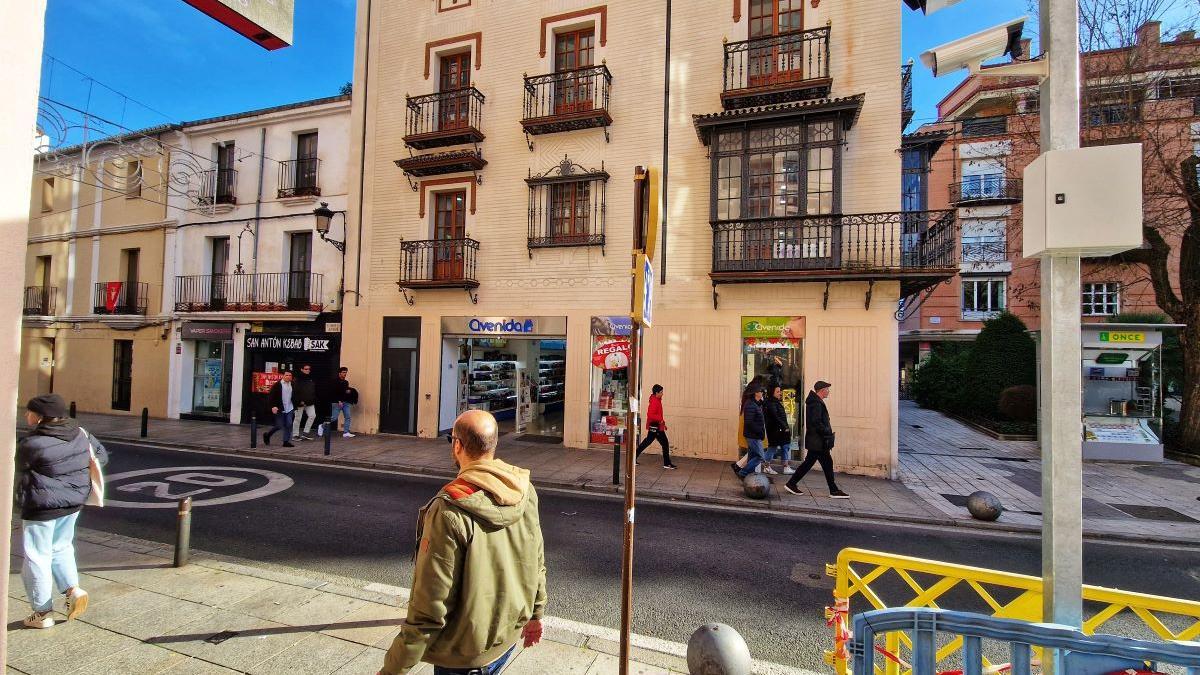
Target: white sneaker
795 491
768 470
320 430
347 435
77 602
39 620
787 471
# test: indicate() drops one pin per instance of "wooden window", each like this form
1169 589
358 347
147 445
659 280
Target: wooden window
47 195
775 17
305 178
776 61
449 228
574 50
982 298
784 170
454 75
570 211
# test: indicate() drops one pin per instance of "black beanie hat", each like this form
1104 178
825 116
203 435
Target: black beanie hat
48 405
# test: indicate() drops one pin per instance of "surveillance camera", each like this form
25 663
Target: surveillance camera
970 52
930 6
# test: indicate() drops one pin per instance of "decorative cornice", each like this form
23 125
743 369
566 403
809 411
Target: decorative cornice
459 180
602 10
170 224
477 57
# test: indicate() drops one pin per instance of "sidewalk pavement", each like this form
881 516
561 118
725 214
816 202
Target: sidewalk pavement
147 617
942 461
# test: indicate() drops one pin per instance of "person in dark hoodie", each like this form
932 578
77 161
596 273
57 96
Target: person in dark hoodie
52 484
754 430
818 441
479 581
779 431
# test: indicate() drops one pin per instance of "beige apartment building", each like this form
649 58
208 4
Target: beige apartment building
94 329
490 266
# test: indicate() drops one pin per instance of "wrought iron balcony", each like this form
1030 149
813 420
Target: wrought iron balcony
440 263
985 126
777 69
981 190
445 118
300 178
567 206
567 100
263 292
906 94
218 186
991 250
121 298
40 300
915 247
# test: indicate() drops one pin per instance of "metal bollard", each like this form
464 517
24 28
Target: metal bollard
72 413
253 430
145 421
616 461
183 533
328 438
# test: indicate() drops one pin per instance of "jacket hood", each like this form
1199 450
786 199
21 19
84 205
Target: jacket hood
812 396
503 489
64 429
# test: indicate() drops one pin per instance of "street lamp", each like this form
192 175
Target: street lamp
324 216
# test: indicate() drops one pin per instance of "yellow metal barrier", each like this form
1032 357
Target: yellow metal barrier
922 583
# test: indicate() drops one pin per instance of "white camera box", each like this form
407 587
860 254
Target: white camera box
1085 202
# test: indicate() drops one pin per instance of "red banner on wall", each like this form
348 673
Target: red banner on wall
261 383
112 293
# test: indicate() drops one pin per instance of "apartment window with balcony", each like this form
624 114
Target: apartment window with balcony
1111 104
982 298
983 240
574 50
133 179
1102 299
1178 86
47 195
776 171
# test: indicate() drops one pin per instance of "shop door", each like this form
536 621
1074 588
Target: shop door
211 378
398 395
776 61
574 50
455 76
449 228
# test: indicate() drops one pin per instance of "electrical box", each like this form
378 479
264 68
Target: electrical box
1085 202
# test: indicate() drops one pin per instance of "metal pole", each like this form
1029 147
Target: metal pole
145 421
631 423
617 461
328 436
183 532
253 430
1061 355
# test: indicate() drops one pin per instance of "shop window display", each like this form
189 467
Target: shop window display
520 381
765 339
610 378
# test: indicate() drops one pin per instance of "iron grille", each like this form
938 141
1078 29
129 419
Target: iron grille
262 292
795 65
121 297
40 300
299 178
571 99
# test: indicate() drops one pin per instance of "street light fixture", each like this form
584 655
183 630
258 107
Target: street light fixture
324 216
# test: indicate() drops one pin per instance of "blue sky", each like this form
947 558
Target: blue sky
174 63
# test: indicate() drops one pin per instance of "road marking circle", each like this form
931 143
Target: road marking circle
199 480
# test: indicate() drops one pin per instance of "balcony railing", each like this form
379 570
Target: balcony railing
985 126
990 189
300 178
218 186
568 100
263 292
865 246
121 298
445 118
445 263
567 207
991 250
906 94
39 300
777 69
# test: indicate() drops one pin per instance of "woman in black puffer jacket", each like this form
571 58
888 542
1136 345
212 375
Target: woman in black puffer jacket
53 482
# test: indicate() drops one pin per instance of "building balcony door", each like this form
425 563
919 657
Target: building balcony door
450 225
572 51
455 75
775 62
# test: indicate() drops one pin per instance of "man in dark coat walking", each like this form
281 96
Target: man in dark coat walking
53 482
818 441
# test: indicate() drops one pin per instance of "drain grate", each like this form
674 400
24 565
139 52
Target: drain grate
220 637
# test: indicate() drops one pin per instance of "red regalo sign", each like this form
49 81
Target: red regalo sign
112 294
611 355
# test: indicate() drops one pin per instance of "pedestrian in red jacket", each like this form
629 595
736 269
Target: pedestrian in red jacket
656 427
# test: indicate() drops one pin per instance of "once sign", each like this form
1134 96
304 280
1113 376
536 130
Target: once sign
163 487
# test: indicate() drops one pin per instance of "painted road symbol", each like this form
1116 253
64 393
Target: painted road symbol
162 487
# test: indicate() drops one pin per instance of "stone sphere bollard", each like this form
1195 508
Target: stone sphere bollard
984 506
756 486
717 649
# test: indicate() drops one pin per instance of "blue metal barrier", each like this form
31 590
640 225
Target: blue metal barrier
1075 653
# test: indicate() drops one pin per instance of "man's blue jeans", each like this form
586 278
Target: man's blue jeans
783 452
283 422
49 549
343 408
755 450
491 669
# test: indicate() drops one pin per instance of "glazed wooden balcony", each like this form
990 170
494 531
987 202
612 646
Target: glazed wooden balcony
777 69
917 248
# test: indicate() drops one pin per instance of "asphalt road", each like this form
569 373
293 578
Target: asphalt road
762 574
